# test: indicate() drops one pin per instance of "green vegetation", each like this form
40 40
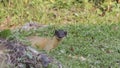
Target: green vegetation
93 39
5 33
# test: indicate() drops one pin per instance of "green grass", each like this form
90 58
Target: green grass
94 37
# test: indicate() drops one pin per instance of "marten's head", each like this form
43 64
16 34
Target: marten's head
60 33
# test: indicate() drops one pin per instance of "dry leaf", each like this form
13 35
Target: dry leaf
82 58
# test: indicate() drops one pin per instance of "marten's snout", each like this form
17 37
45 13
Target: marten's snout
60 33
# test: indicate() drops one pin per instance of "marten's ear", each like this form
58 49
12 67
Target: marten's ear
65 32
56 32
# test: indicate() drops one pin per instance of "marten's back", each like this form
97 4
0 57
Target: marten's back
47 43
38 42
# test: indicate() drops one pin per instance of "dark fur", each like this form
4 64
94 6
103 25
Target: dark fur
60 33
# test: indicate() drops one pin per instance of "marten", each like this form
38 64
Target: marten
47 43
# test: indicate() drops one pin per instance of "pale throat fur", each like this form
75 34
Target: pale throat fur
53 43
